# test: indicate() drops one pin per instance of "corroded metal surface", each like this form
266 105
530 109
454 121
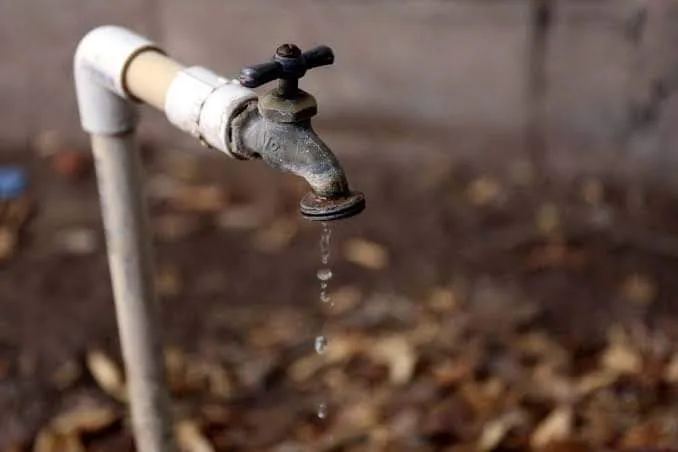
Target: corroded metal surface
317 208
279 131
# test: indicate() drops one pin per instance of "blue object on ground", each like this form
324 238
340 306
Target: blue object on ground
13 182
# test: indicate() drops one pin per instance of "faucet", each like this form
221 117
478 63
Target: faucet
115 70
279 131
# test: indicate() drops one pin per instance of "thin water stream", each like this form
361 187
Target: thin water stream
324 275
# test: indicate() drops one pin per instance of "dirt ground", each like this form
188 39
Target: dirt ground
471 310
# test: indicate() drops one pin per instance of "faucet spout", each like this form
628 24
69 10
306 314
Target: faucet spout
279 132
296 148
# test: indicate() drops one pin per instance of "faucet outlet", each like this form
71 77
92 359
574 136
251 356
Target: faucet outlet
280 133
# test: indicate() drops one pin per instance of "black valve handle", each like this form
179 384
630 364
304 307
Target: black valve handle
289 64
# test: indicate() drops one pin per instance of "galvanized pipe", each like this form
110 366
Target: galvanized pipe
131 266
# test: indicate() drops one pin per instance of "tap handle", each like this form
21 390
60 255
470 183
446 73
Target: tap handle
289 65
259 74
318 56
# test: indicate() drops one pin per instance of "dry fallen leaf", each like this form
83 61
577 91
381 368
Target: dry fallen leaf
220 383
8 243
200 373
84 419
360 416
621 359
345 346
449 373
595 381
495 431
486 398
344 299
541 345
216 414
427 331
366 254
107 374
396 352
551 384
671 371
49 441
191 439
304 368
443 300
556 427
252 373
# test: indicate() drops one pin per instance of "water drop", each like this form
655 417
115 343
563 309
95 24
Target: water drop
324 296
320 344
322 410
324 274
325 237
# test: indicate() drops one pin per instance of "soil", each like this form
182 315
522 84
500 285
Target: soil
451 267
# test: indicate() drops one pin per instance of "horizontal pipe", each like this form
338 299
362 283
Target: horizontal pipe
116 68
149 75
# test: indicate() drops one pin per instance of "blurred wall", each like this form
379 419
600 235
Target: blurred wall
467 64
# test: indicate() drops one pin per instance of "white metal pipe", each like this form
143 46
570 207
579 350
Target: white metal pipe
129 258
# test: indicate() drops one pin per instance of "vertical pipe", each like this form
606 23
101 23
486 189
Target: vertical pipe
129 255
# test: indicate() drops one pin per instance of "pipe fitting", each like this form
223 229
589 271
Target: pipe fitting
204 105
102 56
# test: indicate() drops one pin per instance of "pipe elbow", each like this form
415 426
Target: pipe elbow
99 65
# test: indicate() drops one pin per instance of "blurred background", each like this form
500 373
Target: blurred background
511 285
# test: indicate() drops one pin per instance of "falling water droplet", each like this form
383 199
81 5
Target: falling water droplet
322 410
320 344
325 237
324 274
